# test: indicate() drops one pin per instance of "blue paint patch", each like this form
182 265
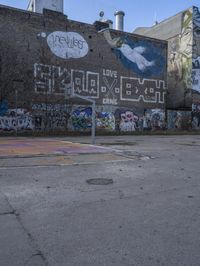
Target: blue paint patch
3 107
150 53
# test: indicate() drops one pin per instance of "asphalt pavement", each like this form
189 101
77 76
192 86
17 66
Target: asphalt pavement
126 201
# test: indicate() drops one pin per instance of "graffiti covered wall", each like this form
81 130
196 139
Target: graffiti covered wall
53 54
196 69
180 64
180 120
16 120
196 116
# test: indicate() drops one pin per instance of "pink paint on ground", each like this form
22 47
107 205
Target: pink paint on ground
26 147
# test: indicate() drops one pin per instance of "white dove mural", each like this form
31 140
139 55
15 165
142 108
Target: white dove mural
132 53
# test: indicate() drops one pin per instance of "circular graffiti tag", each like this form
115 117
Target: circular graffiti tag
67 45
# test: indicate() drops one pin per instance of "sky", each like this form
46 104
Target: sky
138 13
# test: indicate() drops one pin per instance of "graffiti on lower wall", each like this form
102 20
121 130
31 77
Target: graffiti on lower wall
50 116
56 117
106 86
16 120
196 116
81 120
154 119
105 121
179 119
128 120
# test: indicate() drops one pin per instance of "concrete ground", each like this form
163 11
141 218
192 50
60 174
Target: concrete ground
149 214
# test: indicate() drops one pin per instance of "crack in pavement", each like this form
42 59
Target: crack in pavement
33 243
8 213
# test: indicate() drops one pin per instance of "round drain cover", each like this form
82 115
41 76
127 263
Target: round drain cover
99 181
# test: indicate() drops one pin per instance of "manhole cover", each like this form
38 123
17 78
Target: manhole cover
99 181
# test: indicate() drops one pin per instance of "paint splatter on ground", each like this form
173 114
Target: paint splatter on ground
31 147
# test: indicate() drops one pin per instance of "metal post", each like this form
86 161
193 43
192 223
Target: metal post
93 122
16 96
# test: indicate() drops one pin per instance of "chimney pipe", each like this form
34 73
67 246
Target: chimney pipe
110 23
119 20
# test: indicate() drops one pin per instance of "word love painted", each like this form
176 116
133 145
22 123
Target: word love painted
67 45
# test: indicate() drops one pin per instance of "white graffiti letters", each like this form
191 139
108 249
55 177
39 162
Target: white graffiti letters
67 45
106 86
148 90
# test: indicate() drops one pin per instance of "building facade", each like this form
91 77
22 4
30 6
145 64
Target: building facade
182 32
41 55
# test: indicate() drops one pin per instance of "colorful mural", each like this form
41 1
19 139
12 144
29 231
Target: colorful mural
140 56
126 120
149 119
105 121
179 120
180 64
196 51
81 119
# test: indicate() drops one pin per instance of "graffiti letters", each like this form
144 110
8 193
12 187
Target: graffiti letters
133 89
67 45
14 120
108 87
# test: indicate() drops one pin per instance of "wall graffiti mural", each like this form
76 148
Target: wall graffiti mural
154 119
50 116
179 119
142 57
66 45
106 86
180 63
148 119
81 119
181 51
127 120
196 51
105 121
16 119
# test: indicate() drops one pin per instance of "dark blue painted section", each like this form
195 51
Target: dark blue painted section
3 107
151 53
